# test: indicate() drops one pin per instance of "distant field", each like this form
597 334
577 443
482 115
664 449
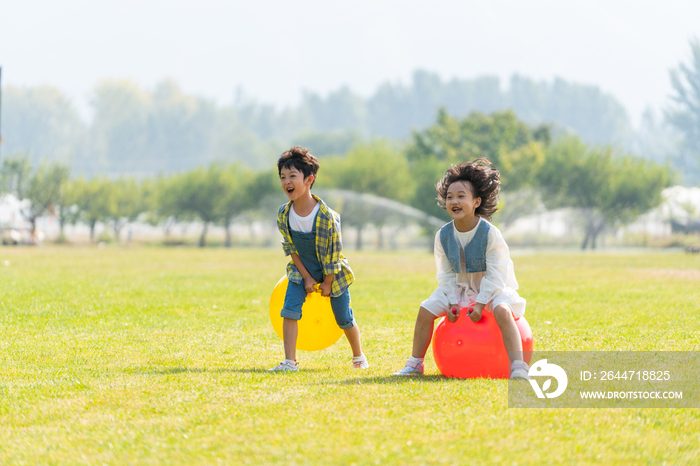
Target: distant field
158 356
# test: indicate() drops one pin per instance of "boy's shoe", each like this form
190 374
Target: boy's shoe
411 368
285 366
360 362
519 370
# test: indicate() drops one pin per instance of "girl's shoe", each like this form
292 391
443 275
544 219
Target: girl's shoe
360 362
411 368
519 370
285 366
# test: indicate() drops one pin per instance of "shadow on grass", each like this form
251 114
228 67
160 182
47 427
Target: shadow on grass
197 370
393 379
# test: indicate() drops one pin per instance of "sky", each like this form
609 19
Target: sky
274 50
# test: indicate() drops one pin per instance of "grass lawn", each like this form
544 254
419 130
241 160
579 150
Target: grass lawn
158 356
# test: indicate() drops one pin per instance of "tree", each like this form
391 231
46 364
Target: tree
42 122
41 188
608 189
598 117
326 143
235 141
341 109
684 112
660 141
126 203
180 128
120 128
163 209
236 196
15 174
67 209
515 148
372 168
595 116
93 198
198 192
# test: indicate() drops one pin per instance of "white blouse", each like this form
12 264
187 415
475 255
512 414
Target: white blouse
481 287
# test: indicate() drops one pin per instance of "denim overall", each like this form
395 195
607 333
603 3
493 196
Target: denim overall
305 244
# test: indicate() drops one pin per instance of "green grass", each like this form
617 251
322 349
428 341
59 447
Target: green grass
158 356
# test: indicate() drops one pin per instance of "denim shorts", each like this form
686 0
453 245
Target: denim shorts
296 295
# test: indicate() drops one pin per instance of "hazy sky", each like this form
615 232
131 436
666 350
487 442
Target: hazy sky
274 49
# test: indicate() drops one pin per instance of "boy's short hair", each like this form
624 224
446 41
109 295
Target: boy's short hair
300 158
484 180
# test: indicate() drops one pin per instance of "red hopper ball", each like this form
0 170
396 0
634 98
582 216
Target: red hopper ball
467 349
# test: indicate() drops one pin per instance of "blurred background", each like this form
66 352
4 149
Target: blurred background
154 122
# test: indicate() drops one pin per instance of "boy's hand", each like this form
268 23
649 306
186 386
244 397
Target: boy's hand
309 284
475 315
453 313
325 288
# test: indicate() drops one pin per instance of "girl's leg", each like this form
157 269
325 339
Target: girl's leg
511 334
353 336
290 331
423 332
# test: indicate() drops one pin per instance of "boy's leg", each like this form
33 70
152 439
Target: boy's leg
345 319
290 332
510 332
291 313
353 336
423 332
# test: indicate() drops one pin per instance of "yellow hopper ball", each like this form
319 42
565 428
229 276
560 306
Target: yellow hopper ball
317 327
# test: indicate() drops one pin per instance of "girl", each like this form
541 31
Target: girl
473 264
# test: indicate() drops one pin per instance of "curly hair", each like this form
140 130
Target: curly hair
298 157
484 180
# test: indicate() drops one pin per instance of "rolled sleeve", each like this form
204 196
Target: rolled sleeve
288 248
335 247
287 244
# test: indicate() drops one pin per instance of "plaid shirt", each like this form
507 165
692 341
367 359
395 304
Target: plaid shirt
329 247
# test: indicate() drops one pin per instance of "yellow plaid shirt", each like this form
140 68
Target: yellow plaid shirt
329 247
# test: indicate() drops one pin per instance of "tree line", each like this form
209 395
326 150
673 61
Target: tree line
608 187
214 194
143 132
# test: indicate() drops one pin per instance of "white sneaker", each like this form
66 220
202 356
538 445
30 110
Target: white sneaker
519 370
411 368
360 362
285 366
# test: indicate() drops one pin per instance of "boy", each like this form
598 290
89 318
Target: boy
311 235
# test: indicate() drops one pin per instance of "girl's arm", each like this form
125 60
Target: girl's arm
309 281
498 264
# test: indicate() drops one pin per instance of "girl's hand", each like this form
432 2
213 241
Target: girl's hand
475 315
453 313
309 284
325 288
